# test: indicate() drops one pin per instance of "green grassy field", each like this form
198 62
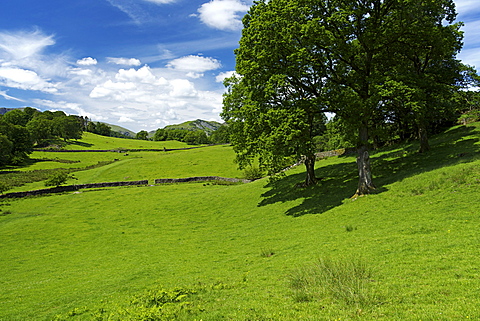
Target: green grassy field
93 141
258 251
139 165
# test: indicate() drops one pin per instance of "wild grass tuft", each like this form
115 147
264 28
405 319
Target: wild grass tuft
343 280
350 228
267 253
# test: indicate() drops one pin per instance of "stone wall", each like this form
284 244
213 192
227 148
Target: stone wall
199 179
71 188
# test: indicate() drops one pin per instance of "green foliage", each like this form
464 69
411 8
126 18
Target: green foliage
197 137
160 135
221 135
67 127
41 130
99 128
253 172
298 59
4 187
142 135
58 178
16 139
275 104
153 305
6 147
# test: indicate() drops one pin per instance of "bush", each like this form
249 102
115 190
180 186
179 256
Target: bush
58 178
252 173
4 187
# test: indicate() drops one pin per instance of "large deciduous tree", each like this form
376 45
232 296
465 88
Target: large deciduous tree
361 59
275 104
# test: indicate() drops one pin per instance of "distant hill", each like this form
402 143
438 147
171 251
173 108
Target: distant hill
122 130
206 126
4 110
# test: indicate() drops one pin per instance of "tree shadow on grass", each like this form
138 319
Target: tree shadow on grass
336 183
83 144
339 181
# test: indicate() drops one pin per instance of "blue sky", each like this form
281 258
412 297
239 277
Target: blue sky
140 64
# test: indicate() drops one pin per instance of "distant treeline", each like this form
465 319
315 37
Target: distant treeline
189 136
22 129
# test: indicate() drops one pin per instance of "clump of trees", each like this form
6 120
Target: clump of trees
387 70
193 137
22 129
98 128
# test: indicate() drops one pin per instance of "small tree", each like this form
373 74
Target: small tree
142 135
4 187
58 178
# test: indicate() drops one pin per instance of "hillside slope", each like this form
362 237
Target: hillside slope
252 251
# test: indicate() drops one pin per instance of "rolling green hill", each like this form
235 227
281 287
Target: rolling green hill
258 251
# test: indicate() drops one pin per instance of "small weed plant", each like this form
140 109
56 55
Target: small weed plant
267 253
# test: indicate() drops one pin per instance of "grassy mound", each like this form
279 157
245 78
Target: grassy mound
258 251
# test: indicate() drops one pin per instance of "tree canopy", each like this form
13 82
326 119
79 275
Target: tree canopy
373 63
22 129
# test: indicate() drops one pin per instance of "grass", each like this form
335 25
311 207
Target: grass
207 161
234 249
93 141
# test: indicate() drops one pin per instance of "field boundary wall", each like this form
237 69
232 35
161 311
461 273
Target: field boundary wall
71 188
199 179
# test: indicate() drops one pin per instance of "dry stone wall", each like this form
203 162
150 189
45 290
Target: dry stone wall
71 188
199 179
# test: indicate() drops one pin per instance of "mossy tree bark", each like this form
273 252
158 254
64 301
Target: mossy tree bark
365 184
310 178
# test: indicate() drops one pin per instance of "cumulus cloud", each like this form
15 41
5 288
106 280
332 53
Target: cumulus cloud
223 14
87 61
124 61
194 65
140 96
142 75
223 75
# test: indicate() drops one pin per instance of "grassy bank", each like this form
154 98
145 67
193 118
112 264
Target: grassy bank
259 251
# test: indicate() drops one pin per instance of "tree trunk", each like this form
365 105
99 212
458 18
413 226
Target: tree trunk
310 179
365 184
423 138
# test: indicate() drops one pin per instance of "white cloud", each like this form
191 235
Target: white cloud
124 61
21 45
194 64
24 79
87 61
125 119
182 88
69 108
223 14
119 91
4 94
142 75
223 75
